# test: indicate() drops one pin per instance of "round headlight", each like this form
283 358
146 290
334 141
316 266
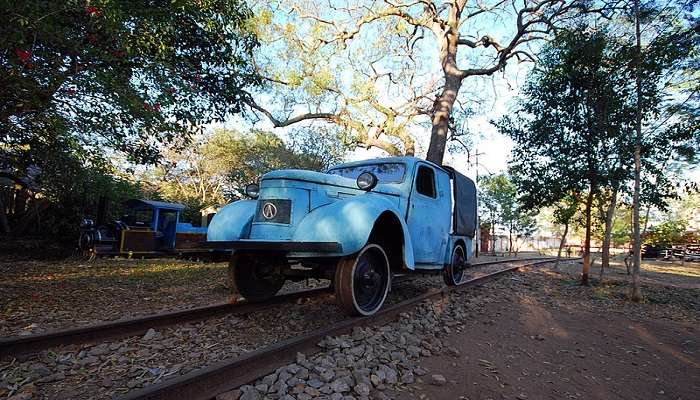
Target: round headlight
367 181
252 190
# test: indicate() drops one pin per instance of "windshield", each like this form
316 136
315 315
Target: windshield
142 217
386 172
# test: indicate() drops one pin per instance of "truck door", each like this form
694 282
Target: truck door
429 214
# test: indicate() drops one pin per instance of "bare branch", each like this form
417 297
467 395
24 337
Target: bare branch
282 123
526 32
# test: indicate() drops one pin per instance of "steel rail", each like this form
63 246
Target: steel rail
206 383
129 327
16 345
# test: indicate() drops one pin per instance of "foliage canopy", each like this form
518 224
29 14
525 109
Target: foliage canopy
123 74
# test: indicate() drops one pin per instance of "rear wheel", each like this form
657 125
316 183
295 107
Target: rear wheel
454 272
362 281
255 277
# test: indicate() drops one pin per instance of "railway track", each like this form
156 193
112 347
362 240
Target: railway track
206 383
16 345
129 327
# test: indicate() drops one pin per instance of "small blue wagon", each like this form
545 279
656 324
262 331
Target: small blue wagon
358 224
149 228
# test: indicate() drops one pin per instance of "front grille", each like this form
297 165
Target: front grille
274 210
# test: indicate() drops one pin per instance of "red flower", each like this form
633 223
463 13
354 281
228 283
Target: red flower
71 91
147 106
93 11
92 38
23 55
156 107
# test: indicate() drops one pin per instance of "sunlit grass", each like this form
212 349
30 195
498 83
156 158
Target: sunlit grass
676 267
116 269
689 269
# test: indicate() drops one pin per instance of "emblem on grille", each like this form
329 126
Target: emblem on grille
269 211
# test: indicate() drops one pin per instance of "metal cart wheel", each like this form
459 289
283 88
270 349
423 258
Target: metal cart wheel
453 273
362 281
255 277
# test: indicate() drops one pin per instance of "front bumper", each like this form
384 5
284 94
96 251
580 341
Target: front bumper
280 246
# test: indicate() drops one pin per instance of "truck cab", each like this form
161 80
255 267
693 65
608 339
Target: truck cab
358 224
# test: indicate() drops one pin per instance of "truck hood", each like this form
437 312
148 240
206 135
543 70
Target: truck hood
310 176
311 179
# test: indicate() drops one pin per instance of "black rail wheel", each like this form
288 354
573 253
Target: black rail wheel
454 272
86 241
362 281
255 277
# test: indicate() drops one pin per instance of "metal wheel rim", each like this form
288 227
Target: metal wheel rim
370 280
457 266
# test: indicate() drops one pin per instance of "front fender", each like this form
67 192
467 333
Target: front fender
232 222
350 222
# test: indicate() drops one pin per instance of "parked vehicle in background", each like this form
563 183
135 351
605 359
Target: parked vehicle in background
359 224
653 251
148 228
690 252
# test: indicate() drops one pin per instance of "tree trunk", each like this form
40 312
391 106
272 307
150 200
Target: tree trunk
4 224
587 241
646 220
605 257
562 242
442 109
493 237
510 241
636 294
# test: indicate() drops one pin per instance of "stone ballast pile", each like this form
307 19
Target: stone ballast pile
362 365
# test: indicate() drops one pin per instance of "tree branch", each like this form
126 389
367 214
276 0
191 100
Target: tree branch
289 121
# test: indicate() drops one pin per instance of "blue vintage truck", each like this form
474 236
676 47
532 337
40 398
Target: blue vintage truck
358 224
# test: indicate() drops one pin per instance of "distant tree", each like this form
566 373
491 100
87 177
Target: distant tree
607 204
564 211
687 208
574 132
573 123
321 146
622 226
667 233
490 202
216 169
499 200
521 225
251 155
53 196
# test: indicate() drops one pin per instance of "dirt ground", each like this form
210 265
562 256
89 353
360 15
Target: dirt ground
550 338
43 295
669 273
